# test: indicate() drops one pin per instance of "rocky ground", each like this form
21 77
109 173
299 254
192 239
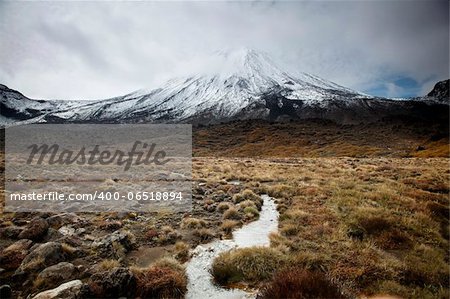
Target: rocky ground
368 225
103 250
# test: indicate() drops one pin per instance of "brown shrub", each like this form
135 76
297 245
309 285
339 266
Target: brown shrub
247 264
228 226
159 282
223 206
394 240
247 194
114 283
193 223
425 266
299 283
151 234
429 185
374 225
204 234
438 210
232 213
169 263
107 265
181 251
251 212
289 230
110 225
168 235
247 203
426 196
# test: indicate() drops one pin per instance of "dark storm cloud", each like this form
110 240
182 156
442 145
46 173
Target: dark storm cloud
103 49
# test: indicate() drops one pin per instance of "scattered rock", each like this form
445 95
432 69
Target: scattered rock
68 290
67 230
221 196
20 218
52 235
10 232
43 255
200 189
12 256
59 220
115 245
113 284
5 291
35 230
54 275
89 238
209 208
111 225
420 148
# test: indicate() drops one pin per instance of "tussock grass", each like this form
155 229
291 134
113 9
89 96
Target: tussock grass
299 283
160 282
247 264
228 225
310 138
108 264
369 224
193 223
247 203
247 194
252 211
223 206
204 234
181 250
170 263
167 235
232 213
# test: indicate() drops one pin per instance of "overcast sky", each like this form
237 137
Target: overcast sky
92 50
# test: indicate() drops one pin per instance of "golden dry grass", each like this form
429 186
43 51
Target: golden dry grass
376 225
373 225
315 138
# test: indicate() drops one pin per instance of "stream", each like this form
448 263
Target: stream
200 281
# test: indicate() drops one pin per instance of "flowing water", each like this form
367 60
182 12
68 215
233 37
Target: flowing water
256 233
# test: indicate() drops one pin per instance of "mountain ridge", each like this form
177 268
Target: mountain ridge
241 84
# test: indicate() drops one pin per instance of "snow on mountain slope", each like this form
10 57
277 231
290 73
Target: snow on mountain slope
16 108
237 84
15 105
234 81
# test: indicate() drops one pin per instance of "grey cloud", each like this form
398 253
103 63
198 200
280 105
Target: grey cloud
103 49
73 40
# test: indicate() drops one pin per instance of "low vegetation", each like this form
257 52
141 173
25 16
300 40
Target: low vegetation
298 283
321 138
193 223
370 226
232 213
247 264
181 251
164 279
228 226
359 226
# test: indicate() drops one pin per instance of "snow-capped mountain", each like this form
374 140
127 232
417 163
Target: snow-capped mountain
239 84
440 92
16 107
